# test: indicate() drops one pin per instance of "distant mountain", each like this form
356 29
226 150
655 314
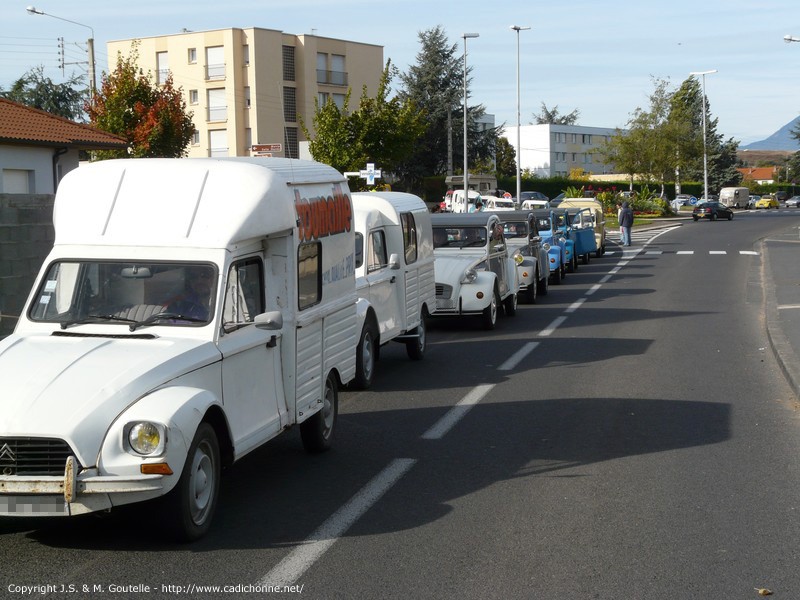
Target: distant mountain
780 140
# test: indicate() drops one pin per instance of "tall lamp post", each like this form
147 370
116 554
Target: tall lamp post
518 28
466 172
89 44
705 150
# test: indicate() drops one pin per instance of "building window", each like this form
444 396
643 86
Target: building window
322 68
246 54
338 100
195 138
292 147
18 181
587 138
289 104
574 138
574 156
217 107
247 96
162 67
215 63
288 63
194 97
217 143
192 56
322 99
338 74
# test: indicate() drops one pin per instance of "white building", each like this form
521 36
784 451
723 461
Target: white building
555 150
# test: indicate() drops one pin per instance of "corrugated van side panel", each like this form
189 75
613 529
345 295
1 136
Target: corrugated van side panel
309 367
339 339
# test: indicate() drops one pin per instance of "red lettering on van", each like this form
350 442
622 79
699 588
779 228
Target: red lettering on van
322 216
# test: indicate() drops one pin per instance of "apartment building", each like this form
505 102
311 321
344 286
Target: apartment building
248 89
555 150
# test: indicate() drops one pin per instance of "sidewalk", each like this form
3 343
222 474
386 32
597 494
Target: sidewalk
780 274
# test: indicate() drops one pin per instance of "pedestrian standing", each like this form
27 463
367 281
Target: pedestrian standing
625 218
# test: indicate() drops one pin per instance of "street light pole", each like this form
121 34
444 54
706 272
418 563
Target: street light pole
89 44
518 28
705 150
466 172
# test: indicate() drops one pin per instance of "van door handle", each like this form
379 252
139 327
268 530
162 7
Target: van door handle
393 279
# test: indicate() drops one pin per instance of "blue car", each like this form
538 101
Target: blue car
557 244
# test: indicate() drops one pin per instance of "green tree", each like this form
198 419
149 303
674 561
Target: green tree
435 83
151 117
36 90
381 130
506 158
552 117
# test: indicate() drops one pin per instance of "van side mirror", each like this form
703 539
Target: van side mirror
394 262
270 320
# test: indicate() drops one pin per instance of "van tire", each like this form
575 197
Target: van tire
415 347
533 289
556 275
543 284
188 509
366 356
317 431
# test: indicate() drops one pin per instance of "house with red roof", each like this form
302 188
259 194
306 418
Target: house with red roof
760 175
38 148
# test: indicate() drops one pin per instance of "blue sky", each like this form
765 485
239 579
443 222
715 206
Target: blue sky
596 56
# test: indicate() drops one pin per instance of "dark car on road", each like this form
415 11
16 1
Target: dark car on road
711 211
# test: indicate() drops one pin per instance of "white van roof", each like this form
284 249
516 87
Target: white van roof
185 202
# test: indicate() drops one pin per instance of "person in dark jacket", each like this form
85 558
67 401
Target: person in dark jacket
625 223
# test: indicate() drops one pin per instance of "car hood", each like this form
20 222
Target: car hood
450 268
74 387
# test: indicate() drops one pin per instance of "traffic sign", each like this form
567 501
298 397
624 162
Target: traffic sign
266 148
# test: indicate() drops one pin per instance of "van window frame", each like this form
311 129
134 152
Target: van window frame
312 280
410 241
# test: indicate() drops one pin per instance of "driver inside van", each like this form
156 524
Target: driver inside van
195 301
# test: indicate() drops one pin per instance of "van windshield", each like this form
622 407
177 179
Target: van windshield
459 237
132 293
516 229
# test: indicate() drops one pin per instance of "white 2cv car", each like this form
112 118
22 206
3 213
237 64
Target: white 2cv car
475 272
394 276
189 311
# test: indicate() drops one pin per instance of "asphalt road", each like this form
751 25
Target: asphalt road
631 436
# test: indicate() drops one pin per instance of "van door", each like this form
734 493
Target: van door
252 383
384 283
498 253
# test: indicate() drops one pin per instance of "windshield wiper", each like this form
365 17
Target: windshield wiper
160 317
92 318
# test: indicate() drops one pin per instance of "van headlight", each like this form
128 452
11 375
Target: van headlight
470 275
147 438
518 258
562 240
546 247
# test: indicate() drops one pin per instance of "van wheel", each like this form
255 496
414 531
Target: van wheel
556 275
489 316
585 259
510 305
317 431
366 357
415 347
188 509
543 285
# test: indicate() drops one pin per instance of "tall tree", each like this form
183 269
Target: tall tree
551 116
36 90
435 83
151 116
506 158
381 130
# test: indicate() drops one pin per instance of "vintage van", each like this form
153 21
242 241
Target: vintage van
734 197
189 311
529 252
394 276
454 201
597 218
475 272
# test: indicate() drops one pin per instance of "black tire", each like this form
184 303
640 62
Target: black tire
317 431
556 275
489 316
730 216
415 348
585 258
189 507
713 216
696 219
543 285
533 289
510 305
366 356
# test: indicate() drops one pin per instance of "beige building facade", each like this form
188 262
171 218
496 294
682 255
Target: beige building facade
248 89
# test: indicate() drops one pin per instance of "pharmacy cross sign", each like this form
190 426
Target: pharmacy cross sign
370 173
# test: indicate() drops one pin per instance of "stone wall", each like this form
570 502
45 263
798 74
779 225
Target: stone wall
26 237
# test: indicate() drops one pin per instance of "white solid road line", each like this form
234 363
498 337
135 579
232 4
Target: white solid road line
518 356
291 568
455 414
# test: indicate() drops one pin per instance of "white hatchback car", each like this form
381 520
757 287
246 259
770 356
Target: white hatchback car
475 273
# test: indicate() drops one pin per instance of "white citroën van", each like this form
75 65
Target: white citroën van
734 197
190 311
395 280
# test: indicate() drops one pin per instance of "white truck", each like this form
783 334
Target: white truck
395 280
734 197
189 311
